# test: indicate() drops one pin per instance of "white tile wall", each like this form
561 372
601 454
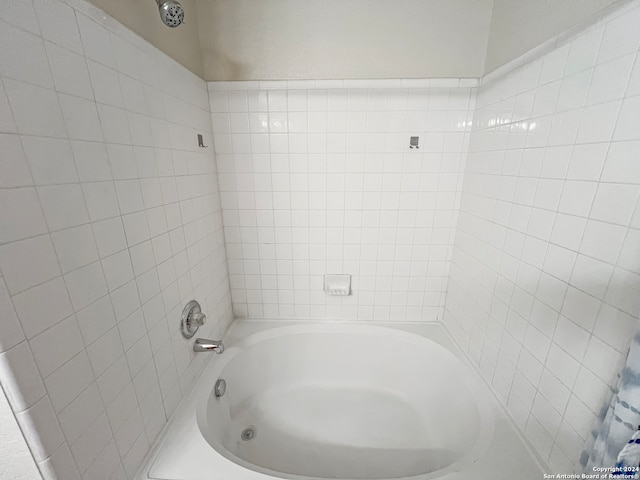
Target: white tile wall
317 177
110 222
545 274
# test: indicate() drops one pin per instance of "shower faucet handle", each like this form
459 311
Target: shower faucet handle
197 319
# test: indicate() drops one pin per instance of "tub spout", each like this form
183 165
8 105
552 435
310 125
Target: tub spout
205 345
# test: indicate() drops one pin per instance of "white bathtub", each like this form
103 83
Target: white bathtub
340 401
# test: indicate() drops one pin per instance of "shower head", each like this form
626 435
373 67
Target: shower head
171 12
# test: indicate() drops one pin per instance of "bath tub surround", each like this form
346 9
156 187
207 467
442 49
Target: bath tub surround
342 401
545 275
319 177
110 223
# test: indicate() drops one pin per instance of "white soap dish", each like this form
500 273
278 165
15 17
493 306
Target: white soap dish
338 284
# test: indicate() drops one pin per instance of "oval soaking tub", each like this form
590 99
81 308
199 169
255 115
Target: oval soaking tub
327 400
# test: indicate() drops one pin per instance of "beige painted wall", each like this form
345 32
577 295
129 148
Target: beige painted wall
519 25
142 17
319 39
303 39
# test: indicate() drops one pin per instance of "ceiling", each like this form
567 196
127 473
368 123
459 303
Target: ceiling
324 39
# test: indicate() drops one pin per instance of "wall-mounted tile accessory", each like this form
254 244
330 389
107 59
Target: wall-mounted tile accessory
413 142
201 142
339 285
192 319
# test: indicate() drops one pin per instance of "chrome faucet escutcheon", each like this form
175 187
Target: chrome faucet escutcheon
192 319
205 345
